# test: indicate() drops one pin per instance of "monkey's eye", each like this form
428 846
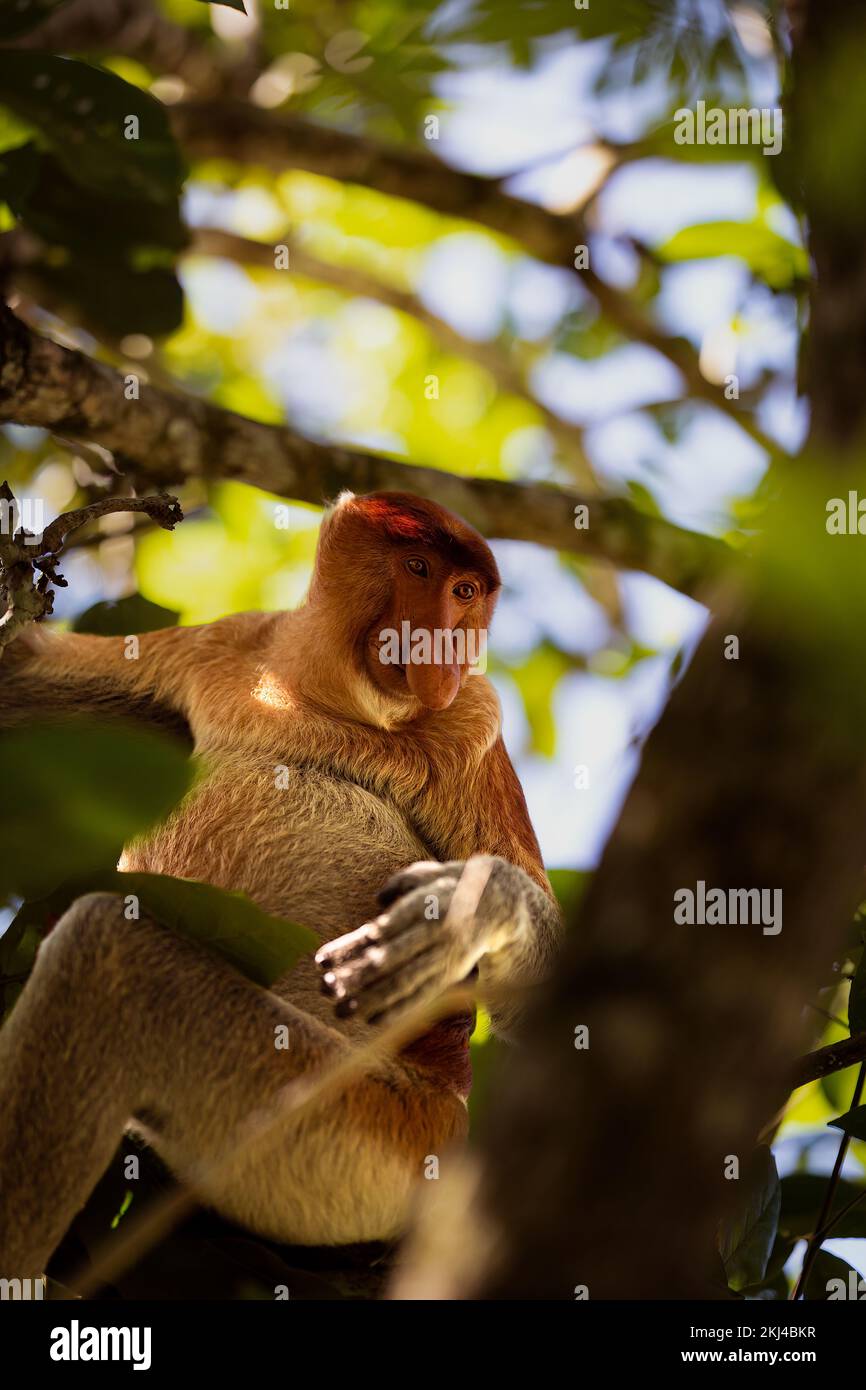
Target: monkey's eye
464 591
415 565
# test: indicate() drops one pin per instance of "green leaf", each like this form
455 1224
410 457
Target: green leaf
537 678
13 132
115 299
838 1086
746 1241
802 568
853 1122
492 22
20 16
19 167
120 617
643 498
74 794
115 272
774 1284
825 1268
261 946
84 115
487 1058
781 1252
802 1197
768 255
61 212
569 885
588 335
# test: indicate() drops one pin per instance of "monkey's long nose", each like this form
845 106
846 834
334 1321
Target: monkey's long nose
435 686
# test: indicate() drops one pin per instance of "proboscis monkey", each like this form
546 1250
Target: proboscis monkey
332 770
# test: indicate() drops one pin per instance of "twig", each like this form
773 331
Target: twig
817 1238
26 598
826 1060
165 511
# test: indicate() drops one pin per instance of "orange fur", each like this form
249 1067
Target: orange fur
320 778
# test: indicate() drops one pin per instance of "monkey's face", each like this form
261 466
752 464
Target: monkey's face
432 632
416 588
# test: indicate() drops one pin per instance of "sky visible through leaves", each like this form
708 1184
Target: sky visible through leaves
582 667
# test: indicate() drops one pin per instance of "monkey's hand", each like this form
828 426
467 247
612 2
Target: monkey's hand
417 947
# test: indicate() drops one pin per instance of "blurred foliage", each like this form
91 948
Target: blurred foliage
802 1198
117 617
829 1267
75 794
780 263
746 1241
229 924
23 15
117 277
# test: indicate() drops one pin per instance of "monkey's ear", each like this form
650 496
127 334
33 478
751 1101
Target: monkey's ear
333 509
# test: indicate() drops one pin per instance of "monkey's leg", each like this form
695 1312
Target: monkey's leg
124 1018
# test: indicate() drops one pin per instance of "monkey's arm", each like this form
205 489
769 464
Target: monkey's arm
56 675
414 949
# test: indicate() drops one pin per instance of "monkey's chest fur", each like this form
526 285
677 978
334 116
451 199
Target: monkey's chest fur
303 843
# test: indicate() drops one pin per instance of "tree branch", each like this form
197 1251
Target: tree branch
817 1238
246 134
585 1154
138 30
826 1060
214 241
279 140
28 563
165 438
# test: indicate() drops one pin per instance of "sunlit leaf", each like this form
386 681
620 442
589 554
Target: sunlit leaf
770 256
837 1087
537 678
569 885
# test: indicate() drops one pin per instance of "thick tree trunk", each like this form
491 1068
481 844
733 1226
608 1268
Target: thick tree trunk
605 1167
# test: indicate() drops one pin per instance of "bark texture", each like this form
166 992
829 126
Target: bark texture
164 438
605 1167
